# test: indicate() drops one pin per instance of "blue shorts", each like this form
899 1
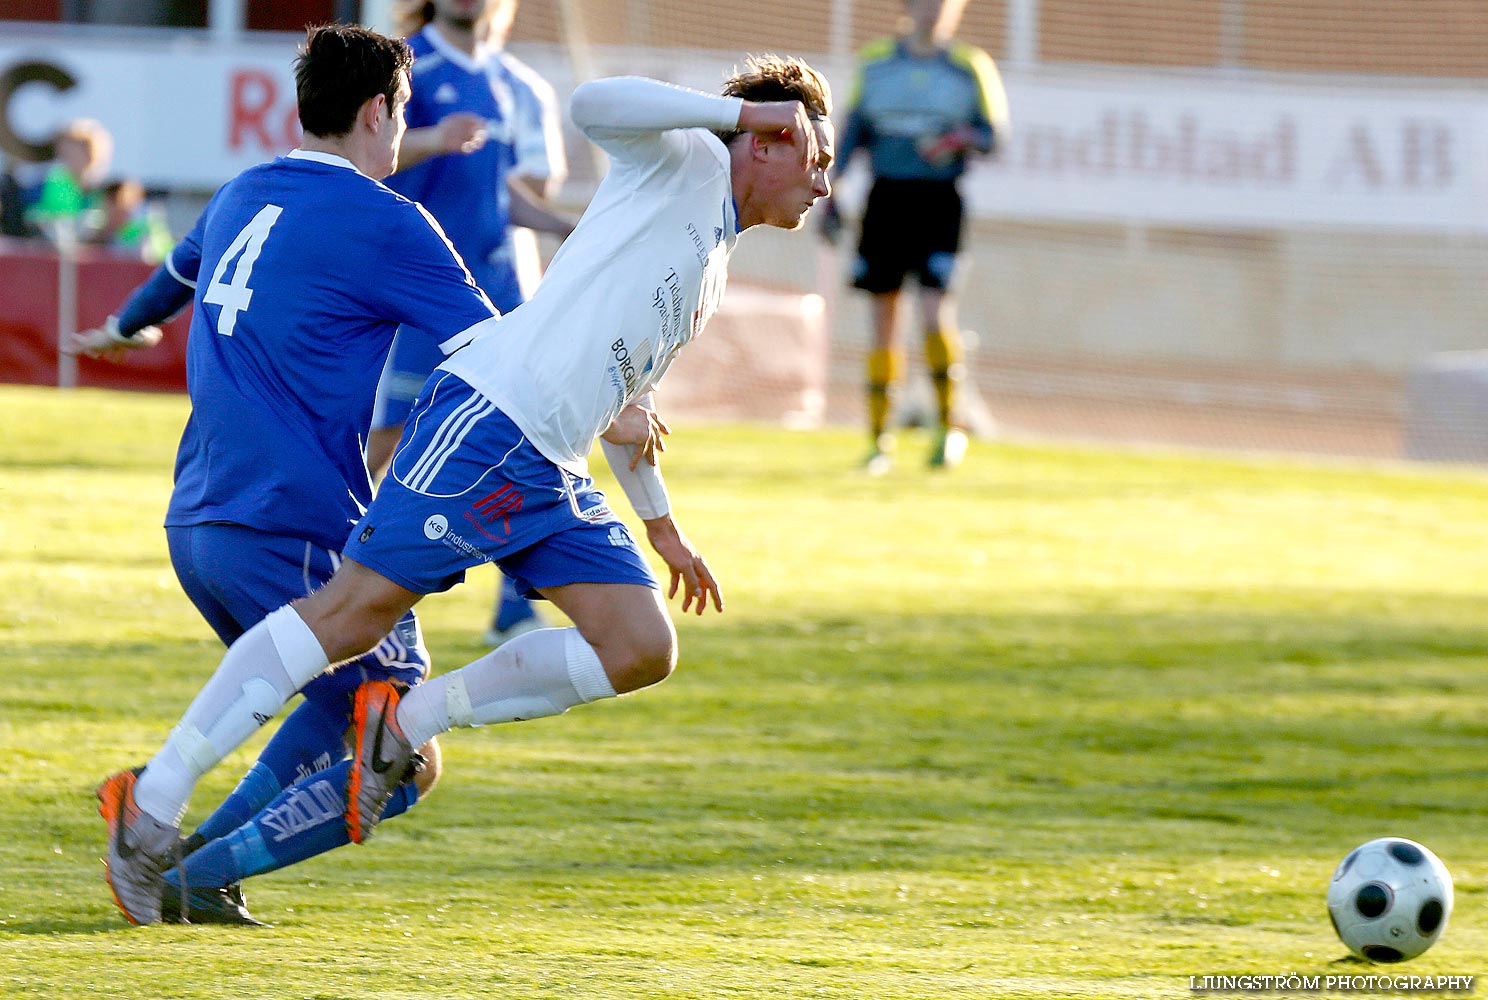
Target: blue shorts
466 487
415 354
235 576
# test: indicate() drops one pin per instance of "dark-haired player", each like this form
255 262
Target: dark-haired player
301 270
493 462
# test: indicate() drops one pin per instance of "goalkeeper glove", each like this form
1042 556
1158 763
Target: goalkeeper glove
106 339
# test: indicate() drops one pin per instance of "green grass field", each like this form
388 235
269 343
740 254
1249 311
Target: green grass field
1068 723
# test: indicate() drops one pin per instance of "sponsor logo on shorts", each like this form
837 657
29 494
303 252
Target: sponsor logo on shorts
453 541
619 537
474 522
366 535
503 504
436 527
599 512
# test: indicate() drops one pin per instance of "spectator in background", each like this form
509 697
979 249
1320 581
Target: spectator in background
922 104
13 221
131 225
483 143
70 194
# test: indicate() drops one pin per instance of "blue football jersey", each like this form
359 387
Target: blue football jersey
466 192
303 269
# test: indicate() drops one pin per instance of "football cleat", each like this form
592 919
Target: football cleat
140 849
949 450
381 756
204 904
881 456
223 905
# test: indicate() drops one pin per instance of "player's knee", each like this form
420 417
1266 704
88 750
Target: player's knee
647 657
349 620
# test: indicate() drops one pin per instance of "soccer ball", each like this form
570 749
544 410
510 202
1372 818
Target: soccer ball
1390 899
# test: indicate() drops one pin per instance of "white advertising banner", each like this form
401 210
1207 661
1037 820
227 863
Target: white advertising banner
1185 151
1159 149
183 113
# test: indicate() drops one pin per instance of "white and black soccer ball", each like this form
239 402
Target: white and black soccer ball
1390 899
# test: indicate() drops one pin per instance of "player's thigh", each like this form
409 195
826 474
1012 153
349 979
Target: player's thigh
595 573
888 228
938 248
236 575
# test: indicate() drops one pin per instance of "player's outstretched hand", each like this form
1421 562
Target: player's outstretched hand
461 132
689 572
641 428
106 341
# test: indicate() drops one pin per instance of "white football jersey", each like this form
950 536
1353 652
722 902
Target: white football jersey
638 279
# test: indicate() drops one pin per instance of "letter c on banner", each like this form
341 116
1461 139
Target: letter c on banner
13 79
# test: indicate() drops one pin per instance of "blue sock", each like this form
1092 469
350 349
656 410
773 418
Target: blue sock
513 607
306 819
310 740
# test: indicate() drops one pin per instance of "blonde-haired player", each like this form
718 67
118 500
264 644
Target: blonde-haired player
493 466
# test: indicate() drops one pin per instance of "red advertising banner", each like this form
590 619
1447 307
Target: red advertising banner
29 274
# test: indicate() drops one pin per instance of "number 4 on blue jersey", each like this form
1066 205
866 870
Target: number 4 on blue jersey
235 296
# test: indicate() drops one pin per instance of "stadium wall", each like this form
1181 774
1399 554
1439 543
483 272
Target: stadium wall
1211 221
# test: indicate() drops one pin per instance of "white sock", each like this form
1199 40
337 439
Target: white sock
261 671
540 673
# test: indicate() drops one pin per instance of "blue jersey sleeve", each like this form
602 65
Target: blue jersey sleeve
157 300
427 284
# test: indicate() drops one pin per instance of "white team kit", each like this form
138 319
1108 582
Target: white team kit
493 465
637 280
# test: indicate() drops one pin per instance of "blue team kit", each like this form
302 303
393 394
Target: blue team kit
287 340
466 487
235 576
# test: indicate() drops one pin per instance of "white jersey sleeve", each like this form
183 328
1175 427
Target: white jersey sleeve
644 486
637 281
630 117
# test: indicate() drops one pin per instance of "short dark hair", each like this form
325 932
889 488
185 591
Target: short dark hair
340 68
779 78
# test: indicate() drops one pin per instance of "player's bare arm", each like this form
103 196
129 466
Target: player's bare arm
460 132
529 212
690 572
